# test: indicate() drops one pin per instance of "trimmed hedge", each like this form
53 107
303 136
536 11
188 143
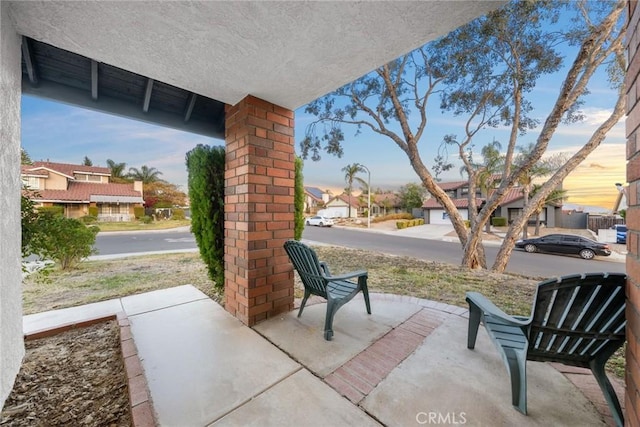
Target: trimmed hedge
178 214
409 223
499 221
93 211
138 212
51 211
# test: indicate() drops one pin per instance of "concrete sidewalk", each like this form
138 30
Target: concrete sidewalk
404 364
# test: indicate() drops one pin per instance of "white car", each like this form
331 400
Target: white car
320 221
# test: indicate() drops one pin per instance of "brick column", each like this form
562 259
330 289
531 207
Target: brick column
632 396
259 180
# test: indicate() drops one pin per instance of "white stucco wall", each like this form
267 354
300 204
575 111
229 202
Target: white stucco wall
11 342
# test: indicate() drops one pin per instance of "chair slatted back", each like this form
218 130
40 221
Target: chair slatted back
305 261
577 318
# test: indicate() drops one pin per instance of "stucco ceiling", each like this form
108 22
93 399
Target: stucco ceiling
288 53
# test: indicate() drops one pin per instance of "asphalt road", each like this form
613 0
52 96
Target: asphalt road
534 265
111 243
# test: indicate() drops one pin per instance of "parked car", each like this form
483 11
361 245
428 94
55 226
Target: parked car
320 221
621 233
565 244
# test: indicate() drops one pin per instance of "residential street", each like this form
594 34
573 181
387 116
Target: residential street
415 243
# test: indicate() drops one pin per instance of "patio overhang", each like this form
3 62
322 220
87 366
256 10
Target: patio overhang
288 53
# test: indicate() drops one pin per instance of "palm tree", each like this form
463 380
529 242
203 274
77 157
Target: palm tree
350 172
554 198
117 171
145 174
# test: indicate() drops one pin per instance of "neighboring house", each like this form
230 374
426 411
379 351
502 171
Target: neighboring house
385 204
434 213
339 206
314 199
77 187
510 207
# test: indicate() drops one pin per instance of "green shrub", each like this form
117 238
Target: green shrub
178 214
205 166
467 223
93 211
298 200
88 219
138 212
421 221
499 221
64 240
29 216
146 219
401 224
51 211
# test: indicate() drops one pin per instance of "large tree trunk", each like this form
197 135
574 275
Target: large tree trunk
598 136
525 194
537 232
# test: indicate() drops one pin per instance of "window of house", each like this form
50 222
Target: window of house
113 208
31 181
87 177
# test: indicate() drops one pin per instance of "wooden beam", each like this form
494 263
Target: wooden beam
94 80
27 54
147 96
190 105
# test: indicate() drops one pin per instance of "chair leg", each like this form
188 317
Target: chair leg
517 365
474 323
332 307
365 292
304 301
597 367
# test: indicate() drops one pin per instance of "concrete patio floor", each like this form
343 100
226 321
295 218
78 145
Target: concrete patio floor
405 364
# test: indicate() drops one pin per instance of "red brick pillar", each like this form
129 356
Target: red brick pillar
259 179
632 398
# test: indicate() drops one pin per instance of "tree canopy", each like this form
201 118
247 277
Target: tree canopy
483 72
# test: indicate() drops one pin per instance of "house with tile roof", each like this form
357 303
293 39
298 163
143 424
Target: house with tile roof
315 199
510 207
77 187
384 204
339 206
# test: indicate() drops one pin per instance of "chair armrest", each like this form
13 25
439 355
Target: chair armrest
325 268
490 308
350 275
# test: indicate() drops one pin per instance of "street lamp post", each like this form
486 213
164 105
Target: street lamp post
368 196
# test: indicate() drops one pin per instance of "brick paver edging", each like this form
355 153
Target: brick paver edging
142 414
359 376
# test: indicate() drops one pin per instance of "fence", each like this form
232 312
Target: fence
598 222
574 220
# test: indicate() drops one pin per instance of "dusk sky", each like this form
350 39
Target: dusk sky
63 133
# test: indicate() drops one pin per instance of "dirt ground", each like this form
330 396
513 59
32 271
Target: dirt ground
75 378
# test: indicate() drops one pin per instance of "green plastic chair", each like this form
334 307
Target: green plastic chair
317 280
577 320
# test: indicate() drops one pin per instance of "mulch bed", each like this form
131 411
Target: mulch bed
72 378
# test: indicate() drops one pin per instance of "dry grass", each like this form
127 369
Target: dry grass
101 280
137 225
96 281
